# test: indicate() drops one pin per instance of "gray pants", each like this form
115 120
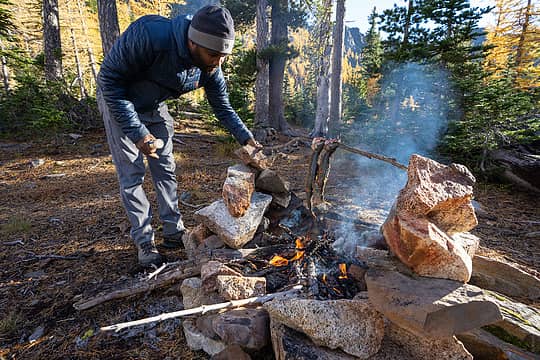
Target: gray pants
130 169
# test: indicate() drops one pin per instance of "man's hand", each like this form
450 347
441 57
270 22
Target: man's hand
254 143
147 146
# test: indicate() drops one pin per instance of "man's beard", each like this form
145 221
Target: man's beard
196 59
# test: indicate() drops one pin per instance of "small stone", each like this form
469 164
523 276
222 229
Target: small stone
200 232
210 272
37 163
253 157
194 296
239 287
269 181
231 352
197 341
248 328
213 242
281 199
38 332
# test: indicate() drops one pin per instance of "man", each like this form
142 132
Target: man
153 60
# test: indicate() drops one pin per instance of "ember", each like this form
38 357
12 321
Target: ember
279 261
343 270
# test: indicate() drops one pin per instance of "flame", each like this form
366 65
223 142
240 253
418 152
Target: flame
299 243
297 256
279 261
343 270
324 278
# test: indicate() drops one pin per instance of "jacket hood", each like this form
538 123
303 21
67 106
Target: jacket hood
180 26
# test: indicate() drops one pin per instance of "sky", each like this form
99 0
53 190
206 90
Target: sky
357 11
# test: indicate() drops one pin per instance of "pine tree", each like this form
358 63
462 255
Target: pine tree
372 53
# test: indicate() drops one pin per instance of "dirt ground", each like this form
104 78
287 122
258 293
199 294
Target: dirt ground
63 233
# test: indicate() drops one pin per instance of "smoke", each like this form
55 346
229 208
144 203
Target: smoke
408 117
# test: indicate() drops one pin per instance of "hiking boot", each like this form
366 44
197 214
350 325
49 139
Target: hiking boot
173 241
148 254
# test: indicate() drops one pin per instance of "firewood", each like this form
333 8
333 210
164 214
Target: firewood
205 308
371 155
313 169
141 286
324 166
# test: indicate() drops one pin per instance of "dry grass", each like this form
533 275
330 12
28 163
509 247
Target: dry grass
17 225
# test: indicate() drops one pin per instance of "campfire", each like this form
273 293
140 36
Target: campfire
266 260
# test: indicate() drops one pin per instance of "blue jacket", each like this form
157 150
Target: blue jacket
149 63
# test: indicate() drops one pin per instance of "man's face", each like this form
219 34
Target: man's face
205 59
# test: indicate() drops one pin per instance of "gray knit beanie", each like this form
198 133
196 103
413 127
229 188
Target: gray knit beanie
212 27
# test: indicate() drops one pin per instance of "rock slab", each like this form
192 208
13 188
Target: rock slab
349 325
428 307
248 328
253 157
504 278
235 232
239 287
425 348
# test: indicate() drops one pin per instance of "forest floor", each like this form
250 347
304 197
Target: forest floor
63 232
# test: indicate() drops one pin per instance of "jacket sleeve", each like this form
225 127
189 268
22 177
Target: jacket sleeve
131 54
216 92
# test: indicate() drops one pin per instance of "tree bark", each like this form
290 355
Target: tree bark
522 35
5 70
320 128
52 46
261 82
89 49
108 24
82 89
335 84
277 66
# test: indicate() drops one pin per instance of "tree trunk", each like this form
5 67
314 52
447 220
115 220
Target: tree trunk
108 24
52 47
277 66
5 70
522 35
82 89
89 49
407 26
323 97
335 84
261 82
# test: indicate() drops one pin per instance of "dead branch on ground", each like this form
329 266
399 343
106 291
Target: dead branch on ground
183 271
205 308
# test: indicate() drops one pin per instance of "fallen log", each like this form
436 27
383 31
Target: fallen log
204 309
141 286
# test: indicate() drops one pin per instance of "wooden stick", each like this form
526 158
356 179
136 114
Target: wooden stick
138 287
370 155
203 309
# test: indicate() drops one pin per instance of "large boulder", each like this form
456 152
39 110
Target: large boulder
427 225
425 248
442 193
